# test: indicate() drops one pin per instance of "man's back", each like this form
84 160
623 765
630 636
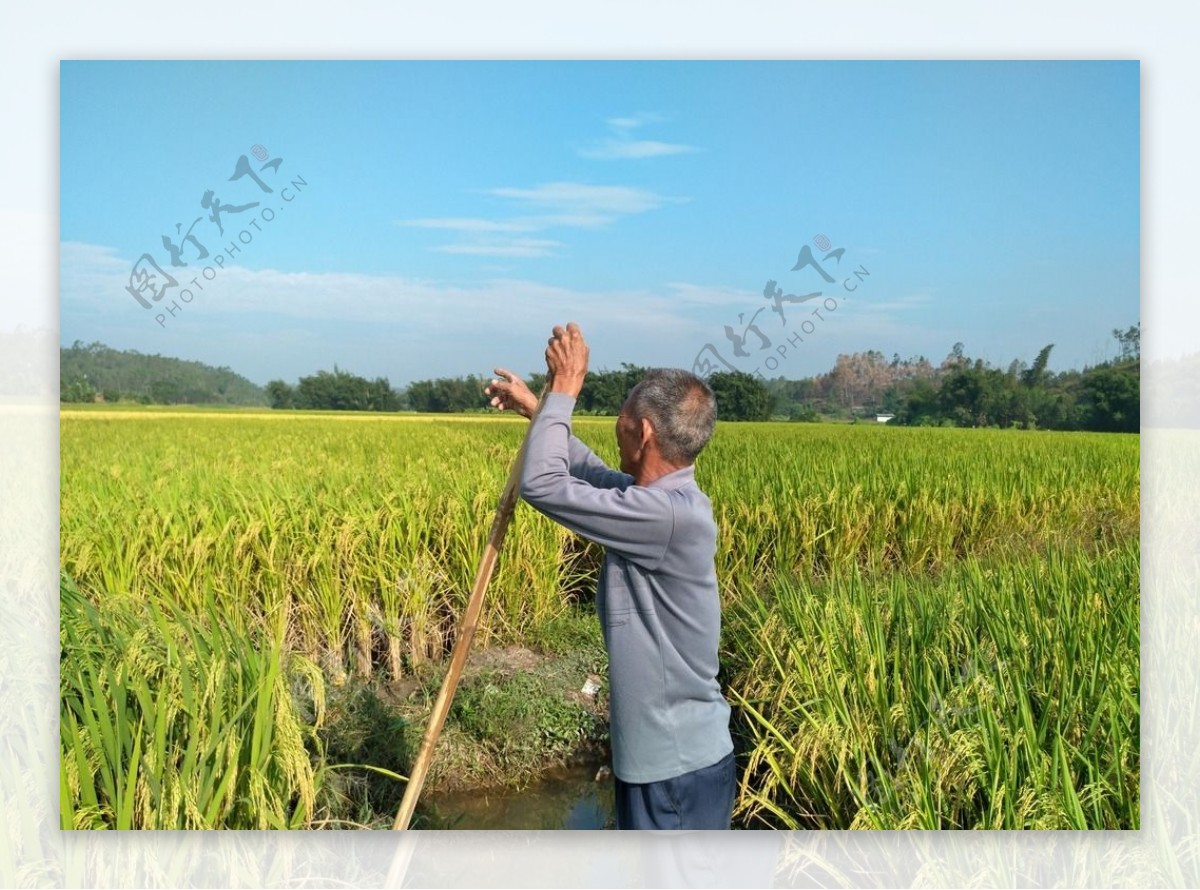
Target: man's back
662 627
657 597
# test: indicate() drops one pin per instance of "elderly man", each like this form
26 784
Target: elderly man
657 595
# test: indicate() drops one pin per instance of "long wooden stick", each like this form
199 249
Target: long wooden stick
462 645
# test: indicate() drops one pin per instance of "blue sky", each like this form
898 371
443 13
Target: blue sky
452 212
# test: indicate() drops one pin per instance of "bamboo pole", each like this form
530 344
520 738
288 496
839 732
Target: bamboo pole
462 645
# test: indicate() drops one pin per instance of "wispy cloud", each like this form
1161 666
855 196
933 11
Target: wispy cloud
537 209
616 149
701 295
93 280
469 224
558 205
576 220
622 145
589 200
633 121
401 327
903 303
511 247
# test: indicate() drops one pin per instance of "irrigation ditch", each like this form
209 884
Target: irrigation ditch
525 744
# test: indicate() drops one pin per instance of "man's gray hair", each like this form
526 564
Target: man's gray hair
680 407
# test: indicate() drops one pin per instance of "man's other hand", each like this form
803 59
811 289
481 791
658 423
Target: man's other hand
510 393
567 359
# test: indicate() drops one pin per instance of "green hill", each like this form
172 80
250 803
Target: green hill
95 372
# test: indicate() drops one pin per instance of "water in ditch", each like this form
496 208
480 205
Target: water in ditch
569 798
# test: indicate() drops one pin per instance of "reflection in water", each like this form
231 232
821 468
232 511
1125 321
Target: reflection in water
570 798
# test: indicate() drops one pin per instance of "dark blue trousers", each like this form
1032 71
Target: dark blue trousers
701 799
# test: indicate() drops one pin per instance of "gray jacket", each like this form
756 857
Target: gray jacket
657 597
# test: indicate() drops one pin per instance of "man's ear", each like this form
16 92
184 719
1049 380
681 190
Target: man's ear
647 432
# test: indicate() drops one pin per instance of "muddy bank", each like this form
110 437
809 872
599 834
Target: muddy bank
519 715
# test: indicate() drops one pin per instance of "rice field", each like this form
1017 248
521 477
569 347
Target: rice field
924 627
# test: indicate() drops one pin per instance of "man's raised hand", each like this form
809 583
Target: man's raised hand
509 392
567 359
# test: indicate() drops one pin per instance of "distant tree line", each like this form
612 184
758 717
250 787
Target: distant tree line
960 391
335 390
94 372
969 392
447 394
739 396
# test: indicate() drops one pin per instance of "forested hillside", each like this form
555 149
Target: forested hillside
95 372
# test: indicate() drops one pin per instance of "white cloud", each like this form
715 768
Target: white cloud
74 255
623 123
572 220
581 198
406 328
94 277
617 149
905 303
632 122
555 205
469 224
622 145
736 299
513 247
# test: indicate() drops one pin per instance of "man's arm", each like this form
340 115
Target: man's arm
508 392
586 465
634 521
